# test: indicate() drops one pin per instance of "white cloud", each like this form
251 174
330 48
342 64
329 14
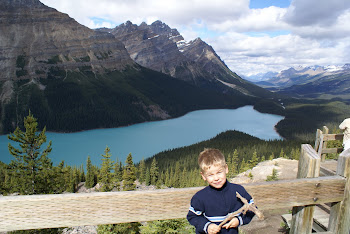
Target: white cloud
316 12
248 55
255 20
250 41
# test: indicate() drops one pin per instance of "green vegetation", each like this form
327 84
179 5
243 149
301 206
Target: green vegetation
20 61
303 117
73 101
273 176
31 169
129 174
54 60
20 64
242 152
106 171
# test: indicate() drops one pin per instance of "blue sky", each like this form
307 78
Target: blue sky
252 37
267 3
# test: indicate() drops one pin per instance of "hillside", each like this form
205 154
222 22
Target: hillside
74 78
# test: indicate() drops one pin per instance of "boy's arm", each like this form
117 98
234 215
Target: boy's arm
196 218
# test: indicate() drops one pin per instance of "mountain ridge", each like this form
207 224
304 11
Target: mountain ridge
161 48
74 78
323 82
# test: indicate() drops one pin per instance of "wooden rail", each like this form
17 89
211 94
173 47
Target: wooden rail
322 137
66 210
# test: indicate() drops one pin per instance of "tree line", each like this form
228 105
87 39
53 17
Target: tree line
32 171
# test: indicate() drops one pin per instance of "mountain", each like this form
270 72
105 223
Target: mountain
299 75
35 37
261 76
73 78
163 49
311 82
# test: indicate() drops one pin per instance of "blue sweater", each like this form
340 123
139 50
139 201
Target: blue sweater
211 205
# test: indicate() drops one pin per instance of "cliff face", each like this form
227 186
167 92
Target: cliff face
163 49
73 78
35 38
155 46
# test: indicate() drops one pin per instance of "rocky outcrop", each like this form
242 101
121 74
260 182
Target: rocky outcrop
163 49
155 46
36 40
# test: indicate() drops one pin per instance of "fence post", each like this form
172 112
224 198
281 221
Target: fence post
308 167
318 139
325 131
339 220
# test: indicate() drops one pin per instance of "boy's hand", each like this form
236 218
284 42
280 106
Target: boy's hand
232 224
213 228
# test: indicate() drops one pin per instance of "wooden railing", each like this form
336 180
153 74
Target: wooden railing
65 210
322 137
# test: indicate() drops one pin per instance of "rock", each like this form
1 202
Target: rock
80 230
286 169
37 40
163 49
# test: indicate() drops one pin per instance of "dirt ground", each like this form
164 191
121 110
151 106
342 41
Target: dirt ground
273 223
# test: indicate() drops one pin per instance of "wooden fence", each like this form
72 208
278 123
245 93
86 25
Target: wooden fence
322 137
66 210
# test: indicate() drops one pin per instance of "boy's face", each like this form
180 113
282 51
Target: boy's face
215 175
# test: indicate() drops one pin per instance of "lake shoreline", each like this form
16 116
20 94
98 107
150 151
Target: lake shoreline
171 118
143 140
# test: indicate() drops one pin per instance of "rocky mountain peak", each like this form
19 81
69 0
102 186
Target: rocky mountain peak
160 27
161 48
35 38
20 3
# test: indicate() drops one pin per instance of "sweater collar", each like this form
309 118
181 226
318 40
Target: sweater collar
220 189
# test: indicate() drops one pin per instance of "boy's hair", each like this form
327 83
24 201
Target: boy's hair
210 157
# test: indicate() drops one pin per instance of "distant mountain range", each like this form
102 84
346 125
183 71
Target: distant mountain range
309 82
74 78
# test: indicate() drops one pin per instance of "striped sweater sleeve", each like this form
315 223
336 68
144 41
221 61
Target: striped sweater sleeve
196 217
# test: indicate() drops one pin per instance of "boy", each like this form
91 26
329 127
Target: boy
210 206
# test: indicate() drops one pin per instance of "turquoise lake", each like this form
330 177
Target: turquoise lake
146 139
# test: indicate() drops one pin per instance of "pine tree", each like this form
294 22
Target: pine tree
154 172
30 165
295 154
142 171
167 178
89 183
243 166
184 178
254 160
273 176
129 174
4 178
282 154
105 173
234 164
148 177
59 181
118 173
82 173
177 175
